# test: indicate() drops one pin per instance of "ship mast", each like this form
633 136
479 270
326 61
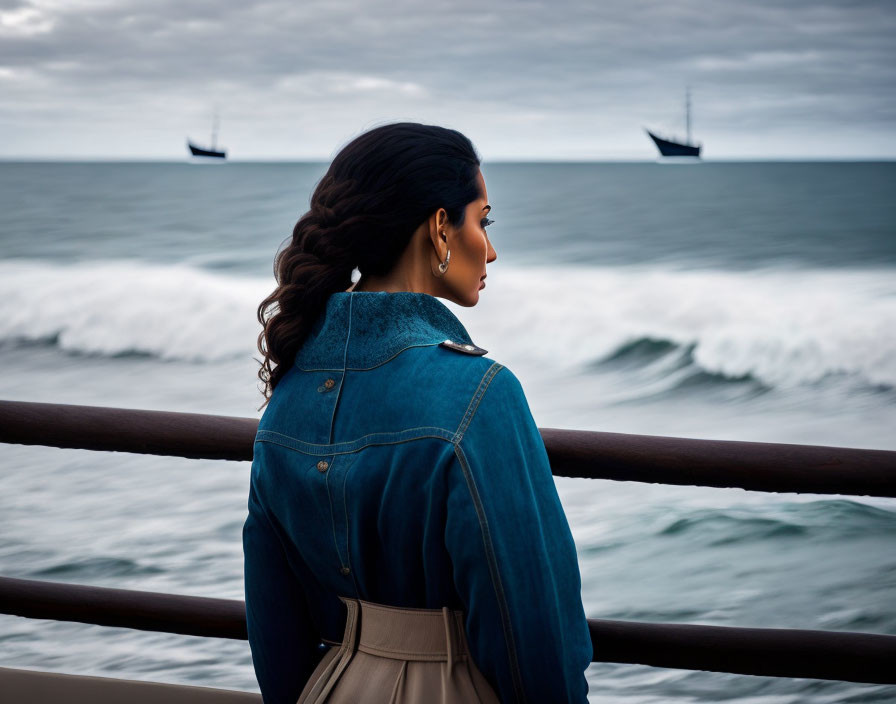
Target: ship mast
687 109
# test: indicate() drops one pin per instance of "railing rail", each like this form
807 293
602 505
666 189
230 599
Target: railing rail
859 657
778 652
757 466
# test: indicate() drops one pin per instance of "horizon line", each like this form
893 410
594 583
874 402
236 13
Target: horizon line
21 159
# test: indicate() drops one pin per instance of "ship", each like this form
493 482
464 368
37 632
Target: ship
672 147
212 152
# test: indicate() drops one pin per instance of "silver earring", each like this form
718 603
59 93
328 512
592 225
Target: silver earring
443 266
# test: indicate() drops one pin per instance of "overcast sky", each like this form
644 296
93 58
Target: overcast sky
295 79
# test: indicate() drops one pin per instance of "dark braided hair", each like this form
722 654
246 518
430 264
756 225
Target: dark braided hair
379 189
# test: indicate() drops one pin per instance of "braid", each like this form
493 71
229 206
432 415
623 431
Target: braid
315 265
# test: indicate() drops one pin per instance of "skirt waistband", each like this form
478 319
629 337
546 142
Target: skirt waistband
392 654
408 634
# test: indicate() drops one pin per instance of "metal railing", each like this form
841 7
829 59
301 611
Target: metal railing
758 466
837 655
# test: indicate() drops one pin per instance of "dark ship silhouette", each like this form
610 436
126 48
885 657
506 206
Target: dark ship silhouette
213 151
669 147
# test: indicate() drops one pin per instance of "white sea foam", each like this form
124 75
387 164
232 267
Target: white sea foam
782 327
116 307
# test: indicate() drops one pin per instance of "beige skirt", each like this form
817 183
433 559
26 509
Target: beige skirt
394 655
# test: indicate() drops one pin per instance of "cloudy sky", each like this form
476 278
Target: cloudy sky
295 79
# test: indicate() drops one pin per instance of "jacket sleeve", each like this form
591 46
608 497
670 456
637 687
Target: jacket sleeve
281 635
513 555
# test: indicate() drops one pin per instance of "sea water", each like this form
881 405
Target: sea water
741 301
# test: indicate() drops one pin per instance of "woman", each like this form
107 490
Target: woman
405 541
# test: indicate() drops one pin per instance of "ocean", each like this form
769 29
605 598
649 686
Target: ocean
740 301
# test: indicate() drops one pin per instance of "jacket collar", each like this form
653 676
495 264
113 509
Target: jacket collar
363 329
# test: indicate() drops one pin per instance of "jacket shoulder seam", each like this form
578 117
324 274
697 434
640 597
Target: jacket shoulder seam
493 572
474 401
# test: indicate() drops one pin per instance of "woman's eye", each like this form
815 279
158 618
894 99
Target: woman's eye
486 222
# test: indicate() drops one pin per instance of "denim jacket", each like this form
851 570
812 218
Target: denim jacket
398 468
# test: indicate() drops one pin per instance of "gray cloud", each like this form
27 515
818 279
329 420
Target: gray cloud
523 79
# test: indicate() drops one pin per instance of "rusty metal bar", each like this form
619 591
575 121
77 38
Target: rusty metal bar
192 435
756 466
102 606
772 652
775 652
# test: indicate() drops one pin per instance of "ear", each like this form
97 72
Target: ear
438 230
441 221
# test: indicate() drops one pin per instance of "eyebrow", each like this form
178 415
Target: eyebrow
488 207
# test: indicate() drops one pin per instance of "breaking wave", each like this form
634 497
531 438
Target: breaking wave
769 328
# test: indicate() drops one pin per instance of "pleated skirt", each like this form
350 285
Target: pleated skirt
391 655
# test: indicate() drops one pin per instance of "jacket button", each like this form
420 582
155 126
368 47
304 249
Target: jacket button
345 570
322 466
326 386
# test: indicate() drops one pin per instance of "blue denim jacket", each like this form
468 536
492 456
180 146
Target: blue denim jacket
395 469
